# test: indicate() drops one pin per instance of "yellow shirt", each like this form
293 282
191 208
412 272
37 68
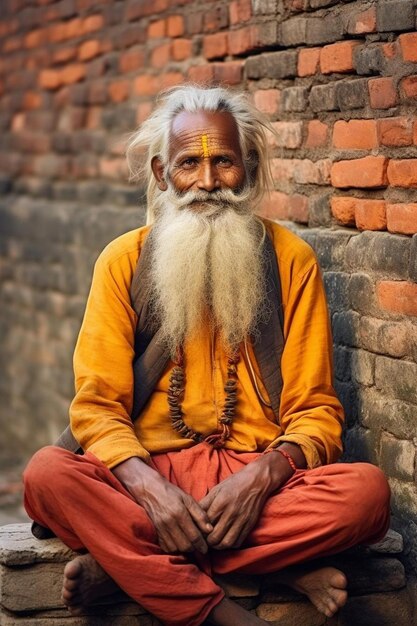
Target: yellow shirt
310 414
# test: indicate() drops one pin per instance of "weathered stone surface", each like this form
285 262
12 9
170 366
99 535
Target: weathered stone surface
361 445
351 94
294 99
399 418
381 252
396 377
398 457
290 614
323 98
330 247
63 618
396 339
413 259
404 499
281 64
385 609
367 575
362 294
363 367
31 587
345 325
392 543
19 547
395 15
336 284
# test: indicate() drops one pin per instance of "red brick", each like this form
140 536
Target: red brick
145 85
289 135
18 122
157 29
242 40
93 119
229 73
355 135
91 24
201 73
50 79
181 49
298 208
402 218
113 168
32 100
382 93
175 26
216 19
63 55
12 44
337 57
409 86
343 209
316 134
35 38
170 79
403 172
389 50
365 22
397 296
408 45
395 131
215 46
72 73
283 169
312 172
119 90
369 172
275 205
75 27
97 92
370 214
161 55
143 111
267 100
308 61
89 50
240 11
131 61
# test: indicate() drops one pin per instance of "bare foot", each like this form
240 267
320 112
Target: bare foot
325 587
84 583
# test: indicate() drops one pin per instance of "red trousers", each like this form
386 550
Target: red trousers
316 513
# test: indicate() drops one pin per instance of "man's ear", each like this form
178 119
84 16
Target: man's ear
158 172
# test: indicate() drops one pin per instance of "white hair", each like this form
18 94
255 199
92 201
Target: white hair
152 138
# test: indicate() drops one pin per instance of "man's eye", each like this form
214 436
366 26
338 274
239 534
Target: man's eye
224 160
188 163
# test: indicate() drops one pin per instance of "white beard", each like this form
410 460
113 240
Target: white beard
206 265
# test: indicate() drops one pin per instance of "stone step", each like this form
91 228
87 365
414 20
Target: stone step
31 574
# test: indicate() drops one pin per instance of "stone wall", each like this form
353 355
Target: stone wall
338 80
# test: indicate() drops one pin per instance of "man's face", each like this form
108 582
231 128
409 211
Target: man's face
205 153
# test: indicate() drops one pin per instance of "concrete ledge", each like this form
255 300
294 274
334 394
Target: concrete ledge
31 578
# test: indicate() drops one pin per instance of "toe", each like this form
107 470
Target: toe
73 569
338 580
70 584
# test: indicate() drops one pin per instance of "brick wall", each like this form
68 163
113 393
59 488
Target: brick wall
339 81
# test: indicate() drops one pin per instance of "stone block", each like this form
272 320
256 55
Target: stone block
397 377
323 98
63 618
31 588
351 94
362 294
343 363
395 15
399 418
361 445
381 610
281 64
345 325
413 259
330 247
404 499
347 393
293 32
392 543
368 60
324 29
320 214
367 574
336 285
397 457
290 614
18 547
294 99
363 367
382 252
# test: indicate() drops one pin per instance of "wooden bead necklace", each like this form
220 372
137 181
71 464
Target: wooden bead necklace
176 395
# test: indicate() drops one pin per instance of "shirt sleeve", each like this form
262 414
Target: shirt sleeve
100 411
310 412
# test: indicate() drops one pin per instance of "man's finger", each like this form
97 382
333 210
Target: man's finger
221 528
199 516
187 537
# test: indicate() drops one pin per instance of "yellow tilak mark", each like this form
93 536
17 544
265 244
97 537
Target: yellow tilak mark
204 145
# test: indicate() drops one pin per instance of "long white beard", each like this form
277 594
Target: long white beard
206 266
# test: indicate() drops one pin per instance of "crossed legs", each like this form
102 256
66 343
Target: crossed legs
318 512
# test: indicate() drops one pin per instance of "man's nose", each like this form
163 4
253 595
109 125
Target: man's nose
207 178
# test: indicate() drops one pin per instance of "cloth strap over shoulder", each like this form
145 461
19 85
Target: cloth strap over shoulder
151 356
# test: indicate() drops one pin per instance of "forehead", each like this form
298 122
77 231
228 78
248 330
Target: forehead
189 130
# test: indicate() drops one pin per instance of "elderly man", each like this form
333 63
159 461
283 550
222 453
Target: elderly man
204 401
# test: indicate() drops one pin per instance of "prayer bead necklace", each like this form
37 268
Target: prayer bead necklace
176 395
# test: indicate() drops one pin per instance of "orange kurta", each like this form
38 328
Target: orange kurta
310 413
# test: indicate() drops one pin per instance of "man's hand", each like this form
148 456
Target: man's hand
235 505
180 522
